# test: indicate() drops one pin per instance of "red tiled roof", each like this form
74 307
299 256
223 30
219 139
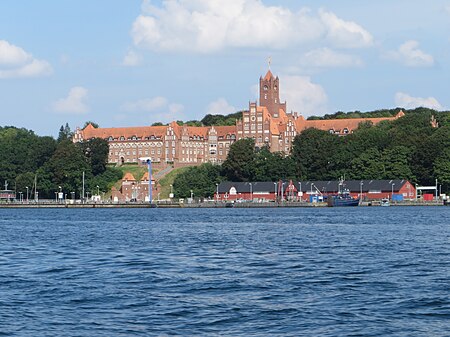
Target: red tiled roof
140 132
223 131
128 176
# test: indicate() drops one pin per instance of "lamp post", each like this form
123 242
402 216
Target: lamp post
171 192
392 191
192 196
300 193
21 197
149 163
217 192
275 194
251 192
282 192
360 190
27 193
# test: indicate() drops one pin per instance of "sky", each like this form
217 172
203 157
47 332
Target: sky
133 62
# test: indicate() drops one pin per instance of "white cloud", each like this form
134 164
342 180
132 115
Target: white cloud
145 105
159 107
220 107
410 55
207 26
16 62
328 58
447 9
346 34
132 59
303 96
73 103
408 102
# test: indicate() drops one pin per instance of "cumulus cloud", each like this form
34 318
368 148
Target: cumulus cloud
159 107
328 58
303 96
408 102
410 55
220 107
74 103
16 62
132 59
207 26
346 34
145 105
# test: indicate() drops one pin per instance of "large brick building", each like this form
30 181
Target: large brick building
268 123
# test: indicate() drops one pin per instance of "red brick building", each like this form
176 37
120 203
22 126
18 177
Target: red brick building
308 191
268 123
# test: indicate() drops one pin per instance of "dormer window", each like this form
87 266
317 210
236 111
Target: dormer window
110 138
345 130
122 138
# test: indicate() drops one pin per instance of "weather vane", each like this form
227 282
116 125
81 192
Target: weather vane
269 61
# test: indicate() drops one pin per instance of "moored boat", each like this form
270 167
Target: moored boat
342 200
385 202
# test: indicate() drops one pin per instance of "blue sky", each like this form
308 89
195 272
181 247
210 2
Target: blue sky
133 62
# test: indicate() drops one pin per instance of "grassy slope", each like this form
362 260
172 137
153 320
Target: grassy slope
138 171
167 180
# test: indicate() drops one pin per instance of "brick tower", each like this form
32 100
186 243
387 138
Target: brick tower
269 94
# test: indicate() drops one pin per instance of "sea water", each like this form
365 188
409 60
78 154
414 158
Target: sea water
372 271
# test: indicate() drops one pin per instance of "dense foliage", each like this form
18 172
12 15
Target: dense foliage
407 148
28 159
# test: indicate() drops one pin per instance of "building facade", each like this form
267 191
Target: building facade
313 191
267 123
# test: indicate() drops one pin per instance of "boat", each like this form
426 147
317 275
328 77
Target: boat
342 199
385 202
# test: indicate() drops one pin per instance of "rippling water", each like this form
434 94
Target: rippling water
228 272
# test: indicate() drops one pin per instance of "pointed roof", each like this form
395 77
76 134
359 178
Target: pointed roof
129 177
268 76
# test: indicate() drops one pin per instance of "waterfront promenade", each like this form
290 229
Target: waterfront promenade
204 204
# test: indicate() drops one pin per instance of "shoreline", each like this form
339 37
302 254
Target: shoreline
206 205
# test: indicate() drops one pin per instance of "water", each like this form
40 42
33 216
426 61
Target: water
228 272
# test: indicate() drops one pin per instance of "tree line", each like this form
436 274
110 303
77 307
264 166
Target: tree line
54 164
407 148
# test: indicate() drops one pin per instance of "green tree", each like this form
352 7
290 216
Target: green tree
64 133
369 165
396 163
201 180
240 162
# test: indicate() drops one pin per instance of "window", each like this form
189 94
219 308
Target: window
266 88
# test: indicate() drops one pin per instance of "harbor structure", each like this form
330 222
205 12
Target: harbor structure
314 191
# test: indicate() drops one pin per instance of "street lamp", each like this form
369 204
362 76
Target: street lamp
360 190
282 191
300 193
217 192
98 190
192 195
20 196
251 192
392 191
27 193
275 194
